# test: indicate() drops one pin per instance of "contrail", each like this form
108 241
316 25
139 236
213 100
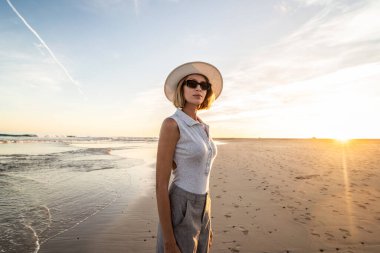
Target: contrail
136 4
76 83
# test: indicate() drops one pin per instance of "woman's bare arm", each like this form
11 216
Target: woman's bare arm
169 136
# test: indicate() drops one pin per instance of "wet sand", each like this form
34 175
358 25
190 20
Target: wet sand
267 196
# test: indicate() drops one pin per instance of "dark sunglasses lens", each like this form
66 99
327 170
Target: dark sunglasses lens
205 86
193 84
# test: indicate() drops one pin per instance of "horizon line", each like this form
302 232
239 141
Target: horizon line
156 137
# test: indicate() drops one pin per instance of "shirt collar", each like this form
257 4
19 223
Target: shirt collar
188 120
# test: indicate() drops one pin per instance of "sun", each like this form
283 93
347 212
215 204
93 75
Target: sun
343 140
342 137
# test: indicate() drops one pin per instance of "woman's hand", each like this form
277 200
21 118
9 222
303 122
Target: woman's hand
172 248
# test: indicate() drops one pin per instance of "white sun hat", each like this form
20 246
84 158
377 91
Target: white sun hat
197 67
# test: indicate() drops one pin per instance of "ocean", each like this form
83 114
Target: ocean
50 185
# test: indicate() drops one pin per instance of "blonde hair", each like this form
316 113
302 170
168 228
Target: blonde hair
179 99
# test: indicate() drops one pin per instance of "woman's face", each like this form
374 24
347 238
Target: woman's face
195 95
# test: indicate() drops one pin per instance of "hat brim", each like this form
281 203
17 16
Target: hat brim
211 72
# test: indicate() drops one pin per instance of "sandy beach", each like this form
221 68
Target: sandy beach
267 196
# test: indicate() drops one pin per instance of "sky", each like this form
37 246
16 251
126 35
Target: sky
291 68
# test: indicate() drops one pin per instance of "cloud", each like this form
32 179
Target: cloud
336 25
315 2
324 44
346 98
24 72
43 43
283 7
334 52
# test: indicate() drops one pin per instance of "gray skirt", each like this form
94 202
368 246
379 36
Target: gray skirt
191 220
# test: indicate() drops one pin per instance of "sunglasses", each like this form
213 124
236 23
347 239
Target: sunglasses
193 84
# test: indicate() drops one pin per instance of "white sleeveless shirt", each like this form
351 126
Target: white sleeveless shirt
194 154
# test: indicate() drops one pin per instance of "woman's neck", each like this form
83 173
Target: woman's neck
191 110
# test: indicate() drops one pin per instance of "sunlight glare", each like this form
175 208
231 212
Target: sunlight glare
343 140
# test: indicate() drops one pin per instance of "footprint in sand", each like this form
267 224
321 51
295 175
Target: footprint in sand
235 249
362 228
345 231
242 229
329 236
307 176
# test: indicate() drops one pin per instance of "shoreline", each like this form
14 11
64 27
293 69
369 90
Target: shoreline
109 230
101 232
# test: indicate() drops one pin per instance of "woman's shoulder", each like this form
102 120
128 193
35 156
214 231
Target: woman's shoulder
170 129
169 124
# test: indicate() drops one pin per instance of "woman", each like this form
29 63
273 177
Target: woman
186 150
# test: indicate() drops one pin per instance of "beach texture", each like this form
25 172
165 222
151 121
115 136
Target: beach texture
267 196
